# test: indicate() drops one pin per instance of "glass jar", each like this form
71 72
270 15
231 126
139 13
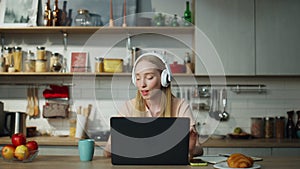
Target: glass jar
17 54
99 66
279 126
29 64
82 18
55 63
7 54
257 127
2 63
41 65
269 127
41 53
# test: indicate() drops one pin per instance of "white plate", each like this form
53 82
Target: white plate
224 165
213 159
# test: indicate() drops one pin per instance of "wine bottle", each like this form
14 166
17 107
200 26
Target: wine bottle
64 15
290 126
187 14
47 14
56 14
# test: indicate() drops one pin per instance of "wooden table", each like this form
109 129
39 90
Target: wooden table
73 162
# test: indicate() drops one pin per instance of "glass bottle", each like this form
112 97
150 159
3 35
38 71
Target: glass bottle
174 21
55 14
187 15
290 126
298 125
47 14
64 15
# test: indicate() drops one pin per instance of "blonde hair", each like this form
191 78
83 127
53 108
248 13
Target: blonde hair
166 98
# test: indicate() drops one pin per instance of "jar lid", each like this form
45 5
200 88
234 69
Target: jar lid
18 48
280 117
7 48
40 48
269 118
82 11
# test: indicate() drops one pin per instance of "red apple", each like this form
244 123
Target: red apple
21 152
7 151
18 139
32 145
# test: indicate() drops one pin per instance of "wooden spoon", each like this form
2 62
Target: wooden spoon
36 102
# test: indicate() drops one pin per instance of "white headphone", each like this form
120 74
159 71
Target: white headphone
166 74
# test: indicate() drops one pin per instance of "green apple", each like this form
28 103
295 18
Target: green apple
21 152
237 130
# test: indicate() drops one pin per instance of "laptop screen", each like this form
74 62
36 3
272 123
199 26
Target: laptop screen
149 141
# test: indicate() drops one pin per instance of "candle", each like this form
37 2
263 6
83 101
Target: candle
111 22
124 14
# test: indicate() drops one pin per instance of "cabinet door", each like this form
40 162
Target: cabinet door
224 40
277 37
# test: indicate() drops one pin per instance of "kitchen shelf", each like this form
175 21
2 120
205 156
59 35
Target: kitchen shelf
92 29
46 78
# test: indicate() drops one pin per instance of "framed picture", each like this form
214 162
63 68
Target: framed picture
18 13
79 62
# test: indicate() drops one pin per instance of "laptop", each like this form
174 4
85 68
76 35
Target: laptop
149 140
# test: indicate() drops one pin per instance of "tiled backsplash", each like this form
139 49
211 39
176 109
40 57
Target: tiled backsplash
283 94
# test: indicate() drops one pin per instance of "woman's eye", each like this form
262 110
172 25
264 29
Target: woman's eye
149 77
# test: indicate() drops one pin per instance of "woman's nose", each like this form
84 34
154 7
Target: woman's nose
142 82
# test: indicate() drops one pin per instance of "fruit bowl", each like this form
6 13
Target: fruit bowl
30 157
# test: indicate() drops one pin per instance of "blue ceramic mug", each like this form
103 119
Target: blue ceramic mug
86 149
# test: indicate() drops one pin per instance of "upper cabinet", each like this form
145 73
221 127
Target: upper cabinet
277 37
224 37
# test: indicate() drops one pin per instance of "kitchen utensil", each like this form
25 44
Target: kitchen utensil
36 102
215 105
111 19
224 115
31 112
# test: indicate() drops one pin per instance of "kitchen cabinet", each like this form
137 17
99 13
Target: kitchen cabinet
224 37
277 37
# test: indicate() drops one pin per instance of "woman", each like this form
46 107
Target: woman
152 76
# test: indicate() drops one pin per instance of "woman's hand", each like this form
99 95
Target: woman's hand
194 147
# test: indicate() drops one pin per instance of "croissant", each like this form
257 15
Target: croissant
238 160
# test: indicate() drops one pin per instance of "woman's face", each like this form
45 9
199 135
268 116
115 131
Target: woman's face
147 79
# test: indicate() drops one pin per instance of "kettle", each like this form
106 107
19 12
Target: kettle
15 122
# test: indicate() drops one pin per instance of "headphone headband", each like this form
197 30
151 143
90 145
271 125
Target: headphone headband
166 75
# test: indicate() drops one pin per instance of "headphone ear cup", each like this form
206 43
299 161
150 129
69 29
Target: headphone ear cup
164 78
133 79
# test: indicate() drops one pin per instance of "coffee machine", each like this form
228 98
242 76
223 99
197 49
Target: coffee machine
12 122
2 121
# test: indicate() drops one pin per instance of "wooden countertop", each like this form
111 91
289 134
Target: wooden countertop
62 162
213 143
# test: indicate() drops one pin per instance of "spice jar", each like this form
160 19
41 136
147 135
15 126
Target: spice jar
41 53
257 127
269 127
7 54
29 62
82 18
17 54
279 126
41 66
2 64
99 66
55 64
